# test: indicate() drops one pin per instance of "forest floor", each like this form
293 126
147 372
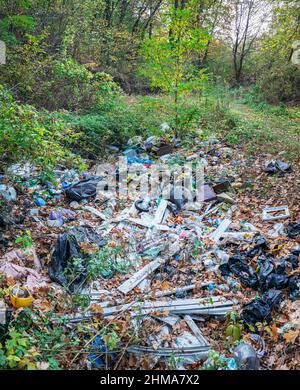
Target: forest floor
99 340
268 131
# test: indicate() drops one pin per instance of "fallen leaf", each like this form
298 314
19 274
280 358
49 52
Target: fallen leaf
274 330
96 308
165 286
291 336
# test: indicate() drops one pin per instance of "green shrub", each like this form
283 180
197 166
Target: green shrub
115 120
30 135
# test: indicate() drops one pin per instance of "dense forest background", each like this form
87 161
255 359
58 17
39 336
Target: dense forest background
111 69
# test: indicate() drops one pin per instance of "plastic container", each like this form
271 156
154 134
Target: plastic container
20 297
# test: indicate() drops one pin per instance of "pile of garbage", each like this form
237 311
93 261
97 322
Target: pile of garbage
173 267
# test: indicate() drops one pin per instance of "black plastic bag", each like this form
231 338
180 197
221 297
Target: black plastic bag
293 230
240 268
266 267
4 222
67 248
260 244
259 309
277 281
294 288
3 241
280 269
293 257
84 189
273 297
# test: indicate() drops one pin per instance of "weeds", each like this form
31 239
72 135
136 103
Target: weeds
25 241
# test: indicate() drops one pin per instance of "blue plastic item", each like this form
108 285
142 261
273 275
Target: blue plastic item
132 160
96 351
39 202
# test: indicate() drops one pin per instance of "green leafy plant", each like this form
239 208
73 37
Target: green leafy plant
168 59
27 134
107 262
14 351
217 361
25 241
234 329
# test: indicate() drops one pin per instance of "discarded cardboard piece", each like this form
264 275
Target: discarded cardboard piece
209 193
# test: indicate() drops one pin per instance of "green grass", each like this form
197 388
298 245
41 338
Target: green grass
266 129
253 124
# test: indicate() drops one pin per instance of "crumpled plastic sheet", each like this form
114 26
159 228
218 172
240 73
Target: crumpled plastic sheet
293 230
84 189
246 357
240 268
276 166
32 276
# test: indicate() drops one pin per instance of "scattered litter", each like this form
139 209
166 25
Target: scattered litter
276 166
8 193
216 235
277 230
20 297
246 357
163 266
293 230
273 213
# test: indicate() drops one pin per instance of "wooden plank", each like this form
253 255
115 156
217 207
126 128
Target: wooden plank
139 276
95 212
193 326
